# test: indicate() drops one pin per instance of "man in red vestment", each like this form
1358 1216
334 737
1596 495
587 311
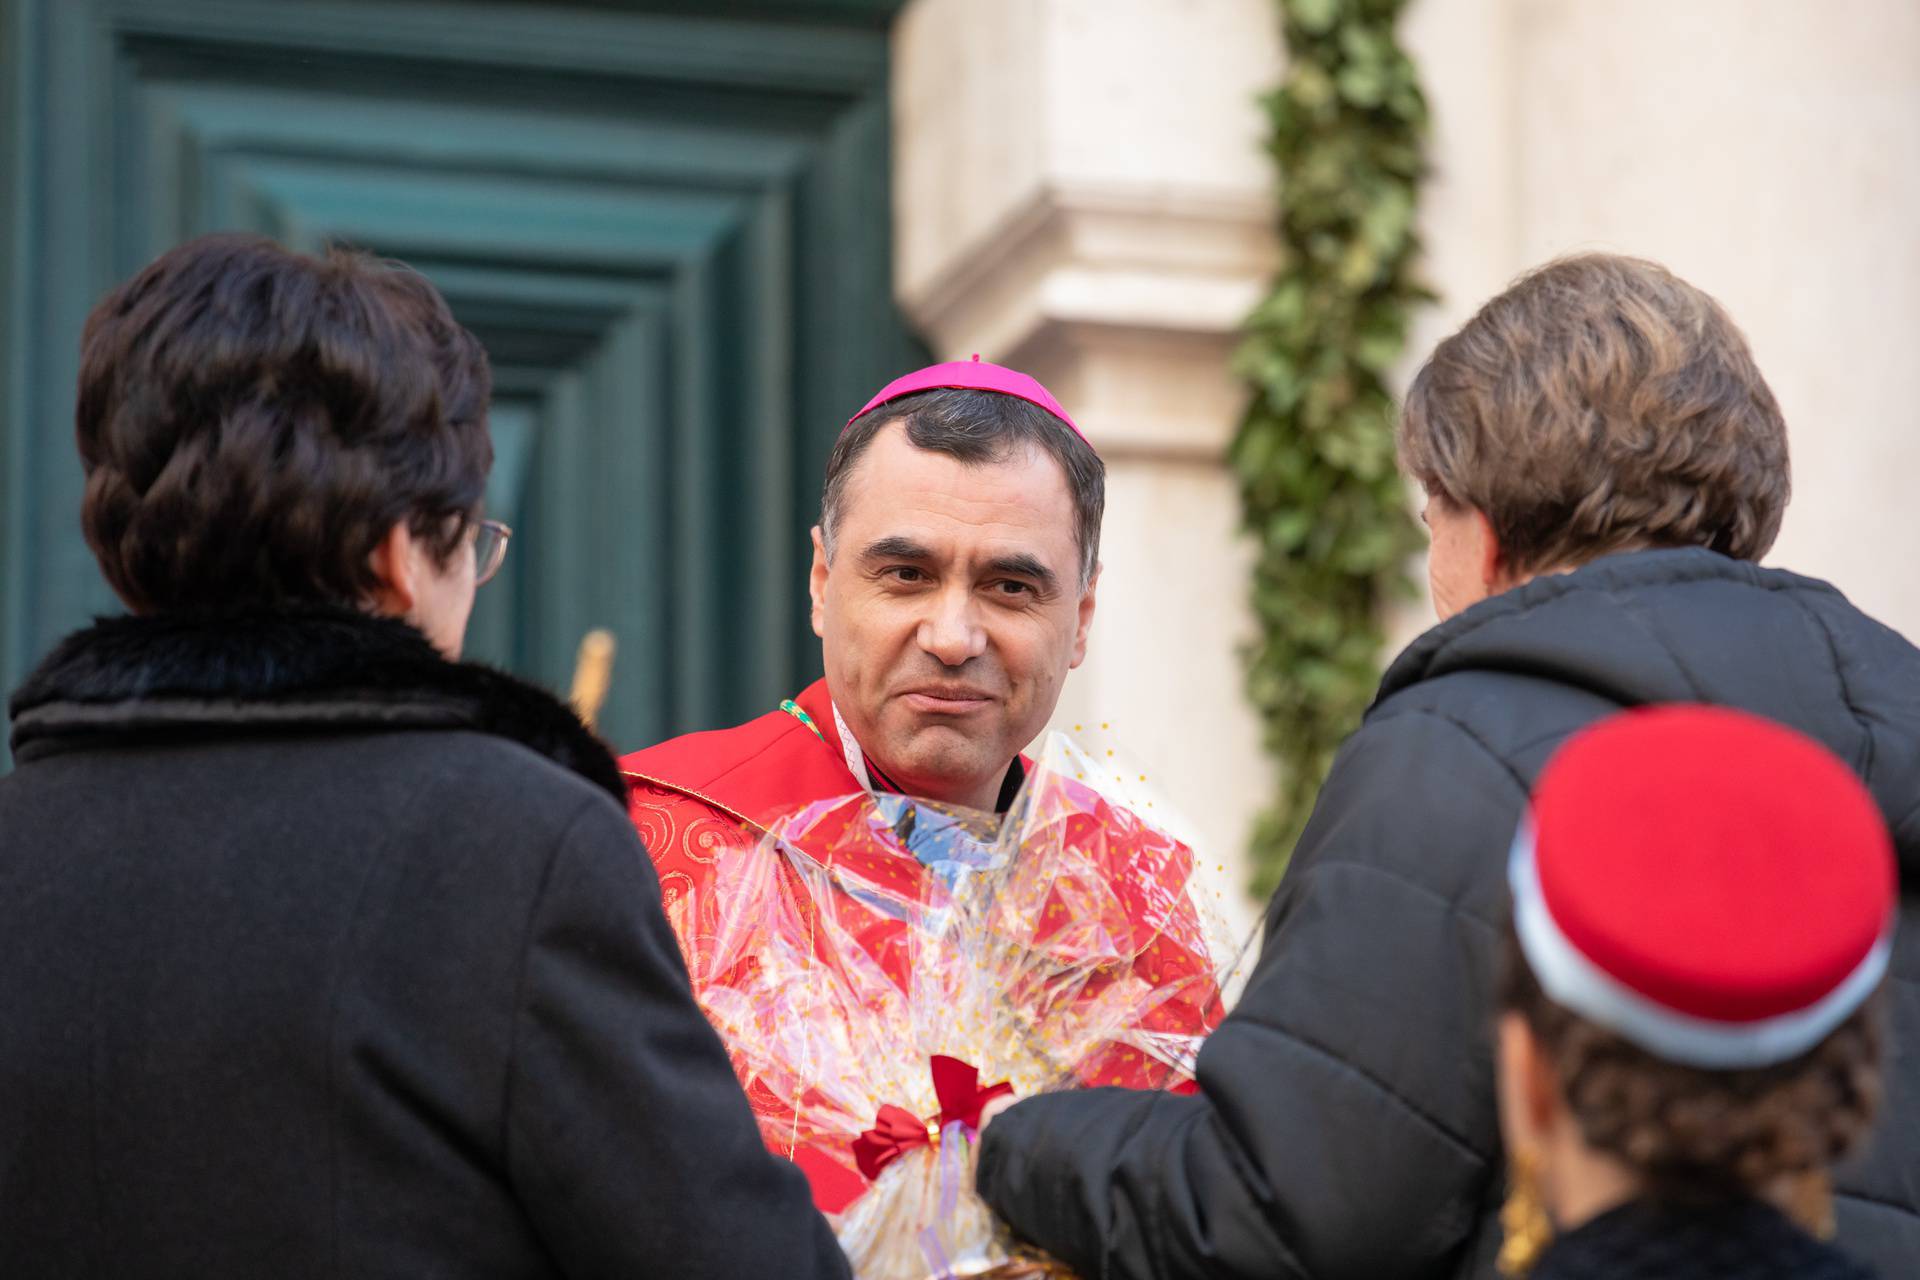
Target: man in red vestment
953 579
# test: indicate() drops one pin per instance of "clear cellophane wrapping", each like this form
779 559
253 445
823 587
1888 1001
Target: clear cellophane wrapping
1070 942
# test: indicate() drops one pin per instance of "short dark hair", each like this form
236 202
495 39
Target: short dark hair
252 421
1601 403
978 427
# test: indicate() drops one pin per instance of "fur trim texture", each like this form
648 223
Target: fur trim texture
271 670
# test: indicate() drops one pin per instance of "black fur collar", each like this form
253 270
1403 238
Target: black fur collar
307 667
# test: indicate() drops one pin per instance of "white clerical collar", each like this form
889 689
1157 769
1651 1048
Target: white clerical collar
850 748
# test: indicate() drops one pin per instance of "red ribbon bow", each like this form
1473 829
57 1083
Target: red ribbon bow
897 1130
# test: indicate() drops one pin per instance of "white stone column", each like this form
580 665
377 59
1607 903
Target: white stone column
1081 193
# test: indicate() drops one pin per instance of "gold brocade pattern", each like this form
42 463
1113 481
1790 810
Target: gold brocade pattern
684 837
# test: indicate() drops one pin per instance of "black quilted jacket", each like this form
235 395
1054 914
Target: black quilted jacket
1346 1125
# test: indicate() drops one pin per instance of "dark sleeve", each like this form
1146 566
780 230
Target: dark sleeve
628 1138
1345 1123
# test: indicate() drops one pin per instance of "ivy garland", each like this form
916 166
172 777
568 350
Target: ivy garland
1315 452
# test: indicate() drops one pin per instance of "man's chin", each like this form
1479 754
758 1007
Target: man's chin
942 758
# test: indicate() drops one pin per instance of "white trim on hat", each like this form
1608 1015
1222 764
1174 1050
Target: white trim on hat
1574 982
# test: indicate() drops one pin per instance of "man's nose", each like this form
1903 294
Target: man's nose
951 631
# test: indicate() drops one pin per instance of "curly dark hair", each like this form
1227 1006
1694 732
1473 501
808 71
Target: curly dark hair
1693 1134
252 421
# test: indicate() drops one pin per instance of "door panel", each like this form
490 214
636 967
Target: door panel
671 234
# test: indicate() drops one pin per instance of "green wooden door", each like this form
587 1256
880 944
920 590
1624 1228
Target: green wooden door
671 232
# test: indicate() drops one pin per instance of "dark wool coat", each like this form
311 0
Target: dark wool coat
1346 1128
323 957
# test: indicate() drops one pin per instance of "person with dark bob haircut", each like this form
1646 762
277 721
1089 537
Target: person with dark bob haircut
1604 466
323 953
259 429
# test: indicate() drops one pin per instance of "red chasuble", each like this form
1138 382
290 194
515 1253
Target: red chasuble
696 798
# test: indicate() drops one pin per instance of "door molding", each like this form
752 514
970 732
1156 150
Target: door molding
673 232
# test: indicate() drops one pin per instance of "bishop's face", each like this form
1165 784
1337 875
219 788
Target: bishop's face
950 612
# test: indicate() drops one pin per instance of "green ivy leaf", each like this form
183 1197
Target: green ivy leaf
1388 220
1365 46
1288 529
1311 90
1314 454
1316 17
1362 84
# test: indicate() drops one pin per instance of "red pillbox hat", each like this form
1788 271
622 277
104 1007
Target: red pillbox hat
1715 888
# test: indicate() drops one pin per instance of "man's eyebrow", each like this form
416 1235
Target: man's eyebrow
1022 565
895 548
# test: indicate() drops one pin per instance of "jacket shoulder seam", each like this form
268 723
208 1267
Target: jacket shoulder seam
1465 730
1840 678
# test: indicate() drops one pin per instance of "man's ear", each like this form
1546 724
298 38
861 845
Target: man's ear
817 583
1494 565
395 560
1085 622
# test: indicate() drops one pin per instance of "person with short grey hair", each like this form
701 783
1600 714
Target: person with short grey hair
1604 465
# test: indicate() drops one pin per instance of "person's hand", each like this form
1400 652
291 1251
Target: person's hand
994 1108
